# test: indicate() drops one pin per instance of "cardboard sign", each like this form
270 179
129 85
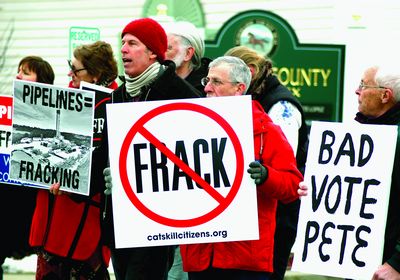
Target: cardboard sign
342 220
6 112
52 134
179 171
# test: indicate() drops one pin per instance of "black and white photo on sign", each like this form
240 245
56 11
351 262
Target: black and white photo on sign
52 135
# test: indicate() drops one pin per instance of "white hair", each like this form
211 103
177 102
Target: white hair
238 70
389 76
190 37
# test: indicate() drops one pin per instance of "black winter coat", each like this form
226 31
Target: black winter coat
391 250
273 91
196 75
167 86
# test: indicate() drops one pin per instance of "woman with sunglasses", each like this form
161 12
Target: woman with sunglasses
93 63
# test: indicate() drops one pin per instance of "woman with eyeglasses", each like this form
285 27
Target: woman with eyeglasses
66 220
95 64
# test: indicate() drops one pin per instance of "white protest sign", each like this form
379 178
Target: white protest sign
342 220
52 131
6 103
179 171
6 112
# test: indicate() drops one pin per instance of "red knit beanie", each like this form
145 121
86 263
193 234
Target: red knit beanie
150 33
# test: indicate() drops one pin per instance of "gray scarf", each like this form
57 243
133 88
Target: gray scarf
133 85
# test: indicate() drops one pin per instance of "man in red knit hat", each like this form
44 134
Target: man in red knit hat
147 77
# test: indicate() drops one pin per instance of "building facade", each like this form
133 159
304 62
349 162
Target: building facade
51 29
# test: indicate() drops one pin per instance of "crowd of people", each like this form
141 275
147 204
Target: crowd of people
167 62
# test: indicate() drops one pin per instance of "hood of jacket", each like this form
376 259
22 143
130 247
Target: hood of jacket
260 119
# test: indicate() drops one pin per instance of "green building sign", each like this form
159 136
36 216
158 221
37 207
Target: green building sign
82 35
313 72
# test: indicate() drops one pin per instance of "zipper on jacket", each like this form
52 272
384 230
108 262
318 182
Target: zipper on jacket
261 147
105 207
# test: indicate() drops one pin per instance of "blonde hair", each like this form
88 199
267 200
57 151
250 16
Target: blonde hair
262 66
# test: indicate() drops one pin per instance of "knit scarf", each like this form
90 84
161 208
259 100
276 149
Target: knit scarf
133 85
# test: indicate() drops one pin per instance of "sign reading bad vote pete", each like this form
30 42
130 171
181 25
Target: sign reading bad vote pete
179 171
52 131
342 219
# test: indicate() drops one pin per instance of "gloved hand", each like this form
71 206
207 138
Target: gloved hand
258 172
108 180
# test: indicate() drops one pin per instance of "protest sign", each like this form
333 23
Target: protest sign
6 105
6 102
102 97
342 220
52 129
179 171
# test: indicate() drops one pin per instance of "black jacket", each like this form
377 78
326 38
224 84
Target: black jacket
391 250
196 75
273 91
166 86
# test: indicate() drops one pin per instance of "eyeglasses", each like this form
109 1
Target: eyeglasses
72 68
362 86
214 82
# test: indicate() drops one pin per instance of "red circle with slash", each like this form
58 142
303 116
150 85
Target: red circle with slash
223 202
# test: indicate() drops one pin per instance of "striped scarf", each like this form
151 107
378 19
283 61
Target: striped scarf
133 85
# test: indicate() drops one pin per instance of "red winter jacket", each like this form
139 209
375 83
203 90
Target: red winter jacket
65 227
68 225
273 150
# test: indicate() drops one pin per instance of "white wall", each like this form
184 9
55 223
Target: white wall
42 28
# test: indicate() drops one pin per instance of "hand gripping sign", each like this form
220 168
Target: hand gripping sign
178 171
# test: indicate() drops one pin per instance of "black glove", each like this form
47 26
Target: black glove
258 172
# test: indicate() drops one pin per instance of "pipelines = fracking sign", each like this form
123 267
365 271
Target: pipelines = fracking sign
52 133
179 171
342 220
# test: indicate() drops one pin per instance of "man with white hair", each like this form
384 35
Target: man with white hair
379 103
186 49
378 96
275 174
